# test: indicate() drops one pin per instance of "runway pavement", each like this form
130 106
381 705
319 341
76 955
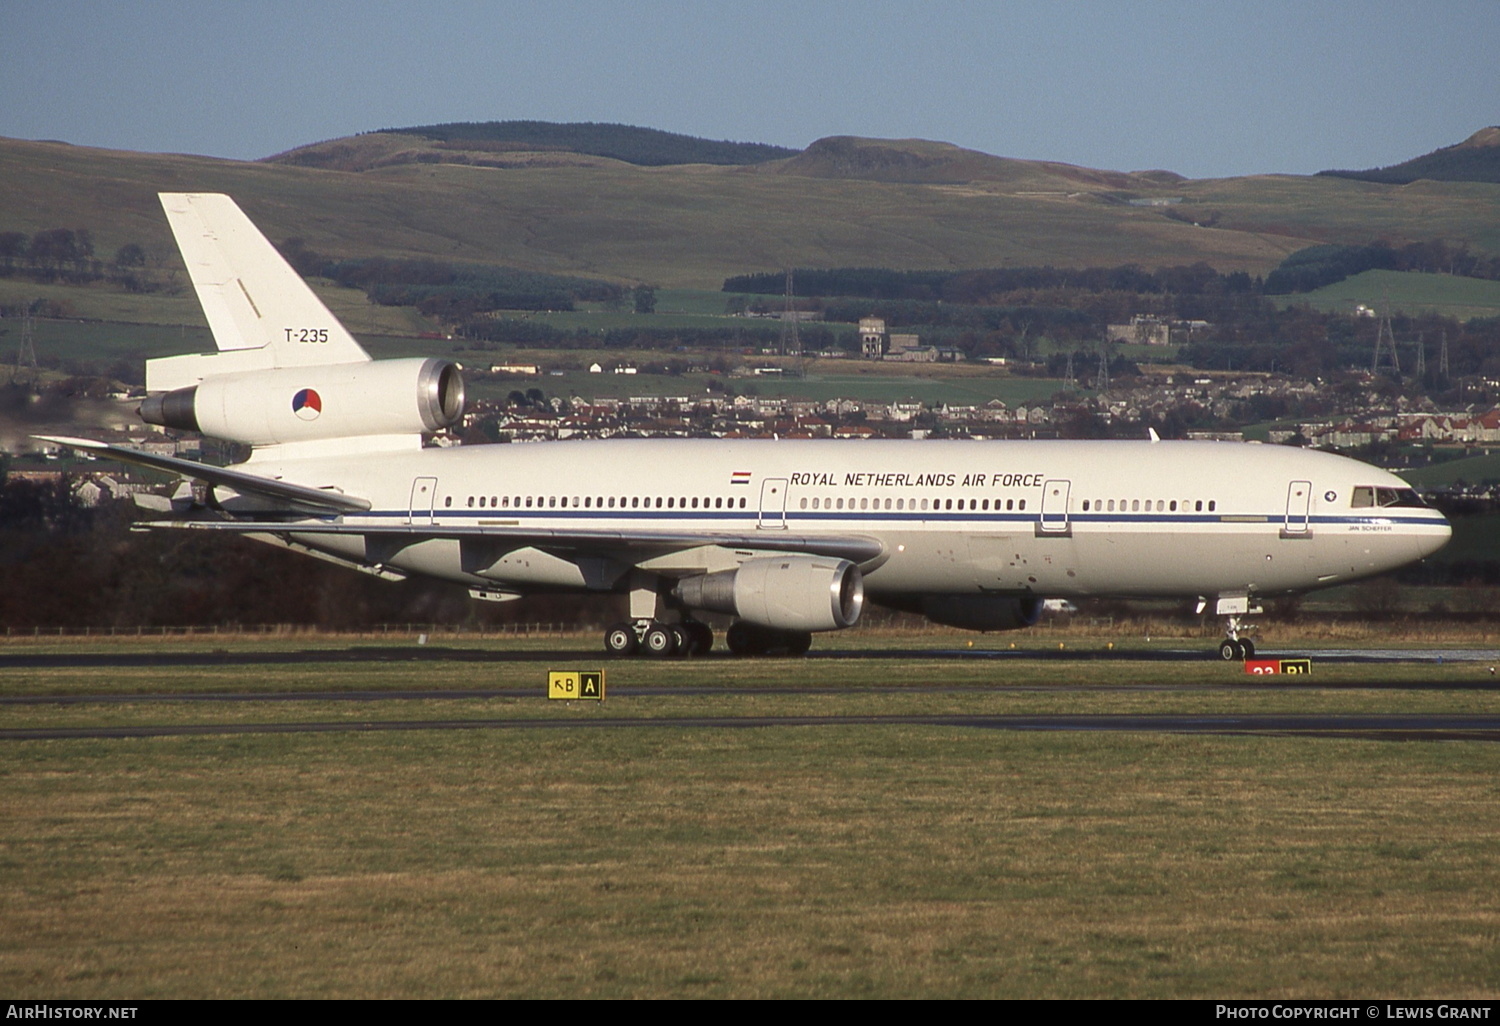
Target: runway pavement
1391 727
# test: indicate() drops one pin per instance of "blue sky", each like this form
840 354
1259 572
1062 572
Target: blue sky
1206 89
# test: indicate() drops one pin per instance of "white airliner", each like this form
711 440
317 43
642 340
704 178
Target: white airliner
786 537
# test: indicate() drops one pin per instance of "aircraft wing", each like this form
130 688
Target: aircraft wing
857 548
316 500
322 503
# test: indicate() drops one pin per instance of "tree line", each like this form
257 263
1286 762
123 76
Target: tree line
992 285
452 291
68 255
1302 271
66 565
1317 266
1458 163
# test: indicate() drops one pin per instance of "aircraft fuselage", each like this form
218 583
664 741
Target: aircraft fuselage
1054 518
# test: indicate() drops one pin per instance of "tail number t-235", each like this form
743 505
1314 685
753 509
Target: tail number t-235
306 334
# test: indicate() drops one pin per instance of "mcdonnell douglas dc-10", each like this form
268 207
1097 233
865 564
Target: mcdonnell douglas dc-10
787 537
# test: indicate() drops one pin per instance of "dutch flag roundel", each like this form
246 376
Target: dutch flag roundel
307 404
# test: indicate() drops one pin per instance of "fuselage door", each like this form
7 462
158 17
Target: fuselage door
1055 508
423 497
1298 501
773 504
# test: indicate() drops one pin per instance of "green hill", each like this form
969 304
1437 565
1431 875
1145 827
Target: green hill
841 203
1476 159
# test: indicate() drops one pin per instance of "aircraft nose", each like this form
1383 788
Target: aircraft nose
1433 537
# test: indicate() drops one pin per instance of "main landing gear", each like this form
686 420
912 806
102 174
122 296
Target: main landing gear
657 639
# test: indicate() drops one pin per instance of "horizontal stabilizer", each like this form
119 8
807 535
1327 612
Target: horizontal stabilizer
299 496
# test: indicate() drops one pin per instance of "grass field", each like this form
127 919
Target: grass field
836 861
1472 469
1408 292
102 302
100 344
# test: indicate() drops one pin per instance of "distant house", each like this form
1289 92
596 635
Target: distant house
909 349
1143 329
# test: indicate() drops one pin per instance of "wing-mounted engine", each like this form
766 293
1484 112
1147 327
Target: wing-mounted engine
789 593
302 404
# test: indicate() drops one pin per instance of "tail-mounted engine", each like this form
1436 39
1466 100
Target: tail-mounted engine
297 404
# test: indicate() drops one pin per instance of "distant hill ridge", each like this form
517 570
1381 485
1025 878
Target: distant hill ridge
921 161
842 202
1476 159
468 141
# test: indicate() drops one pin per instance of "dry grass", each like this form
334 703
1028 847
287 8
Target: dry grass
797 862
851 861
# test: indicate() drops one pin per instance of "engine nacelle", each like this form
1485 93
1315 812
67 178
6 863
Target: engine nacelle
982 612
790 593
299 404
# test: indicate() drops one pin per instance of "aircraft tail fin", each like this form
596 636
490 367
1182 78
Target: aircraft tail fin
258 307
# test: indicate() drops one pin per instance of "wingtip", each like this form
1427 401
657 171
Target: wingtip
70 442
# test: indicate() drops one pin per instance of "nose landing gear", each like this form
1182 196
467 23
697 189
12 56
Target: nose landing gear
1234 609
1235 648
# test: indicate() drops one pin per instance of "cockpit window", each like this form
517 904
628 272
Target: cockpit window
1365 496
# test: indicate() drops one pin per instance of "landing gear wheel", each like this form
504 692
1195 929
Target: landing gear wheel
745 639
700 637
659 641
1231 650
1249 647
682 640
752 639
620 640
797 643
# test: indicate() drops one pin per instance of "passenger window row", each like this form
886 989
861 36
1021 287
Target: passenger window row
599 502
1149 505
911 504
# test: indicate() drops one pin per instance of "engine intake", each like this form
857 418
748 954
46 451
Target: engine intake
295 404
792 593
